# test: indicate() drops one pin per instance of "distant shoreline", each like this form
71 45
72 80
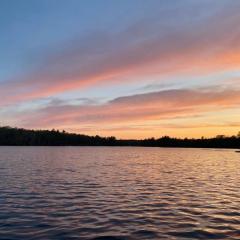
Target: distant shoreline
116 146
22 137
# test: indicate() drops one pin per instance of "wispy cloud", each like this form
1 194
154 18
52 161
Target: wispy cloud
157 46
136 109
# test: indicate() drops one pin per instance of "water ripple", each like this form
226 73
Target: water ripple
118 193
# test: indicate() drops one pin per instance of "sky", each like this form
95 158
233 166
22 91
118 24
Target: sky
130 69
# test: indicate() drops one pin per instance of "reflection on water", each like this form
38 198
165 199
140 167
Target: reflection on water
119 193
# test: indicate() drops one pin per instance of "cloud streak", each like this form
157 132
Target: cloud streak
154 47
135 110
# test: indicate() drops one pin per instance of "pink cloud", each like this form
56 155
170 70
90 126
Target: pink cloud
104 58
137 109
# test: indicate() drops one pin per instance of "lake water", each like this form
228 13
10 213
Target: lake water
119 193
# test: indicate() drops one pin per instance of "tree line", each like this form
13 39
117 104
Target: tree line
22 137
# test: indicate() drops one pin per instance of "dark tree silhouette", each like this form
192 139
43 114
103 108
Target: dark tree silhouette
22 137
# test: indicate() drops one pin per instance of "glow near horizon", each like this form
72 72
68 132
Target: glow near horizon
132 69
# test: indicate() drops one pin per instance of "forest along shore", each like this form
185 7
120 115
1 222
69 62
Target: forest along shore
22 137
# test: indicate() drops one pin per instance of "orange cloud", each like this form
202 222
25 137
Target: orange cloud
142 109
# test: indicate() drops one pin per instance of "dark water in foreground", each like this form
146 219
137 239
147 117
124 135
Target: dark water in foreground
119 193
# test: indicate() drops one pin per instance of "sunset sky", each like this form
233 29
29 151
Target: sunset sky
128 68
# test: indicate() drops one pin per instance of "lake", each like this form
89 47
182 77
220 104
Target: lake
119 193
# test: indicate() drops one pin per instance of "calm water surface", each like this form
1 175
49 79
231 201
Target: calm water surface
119 193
